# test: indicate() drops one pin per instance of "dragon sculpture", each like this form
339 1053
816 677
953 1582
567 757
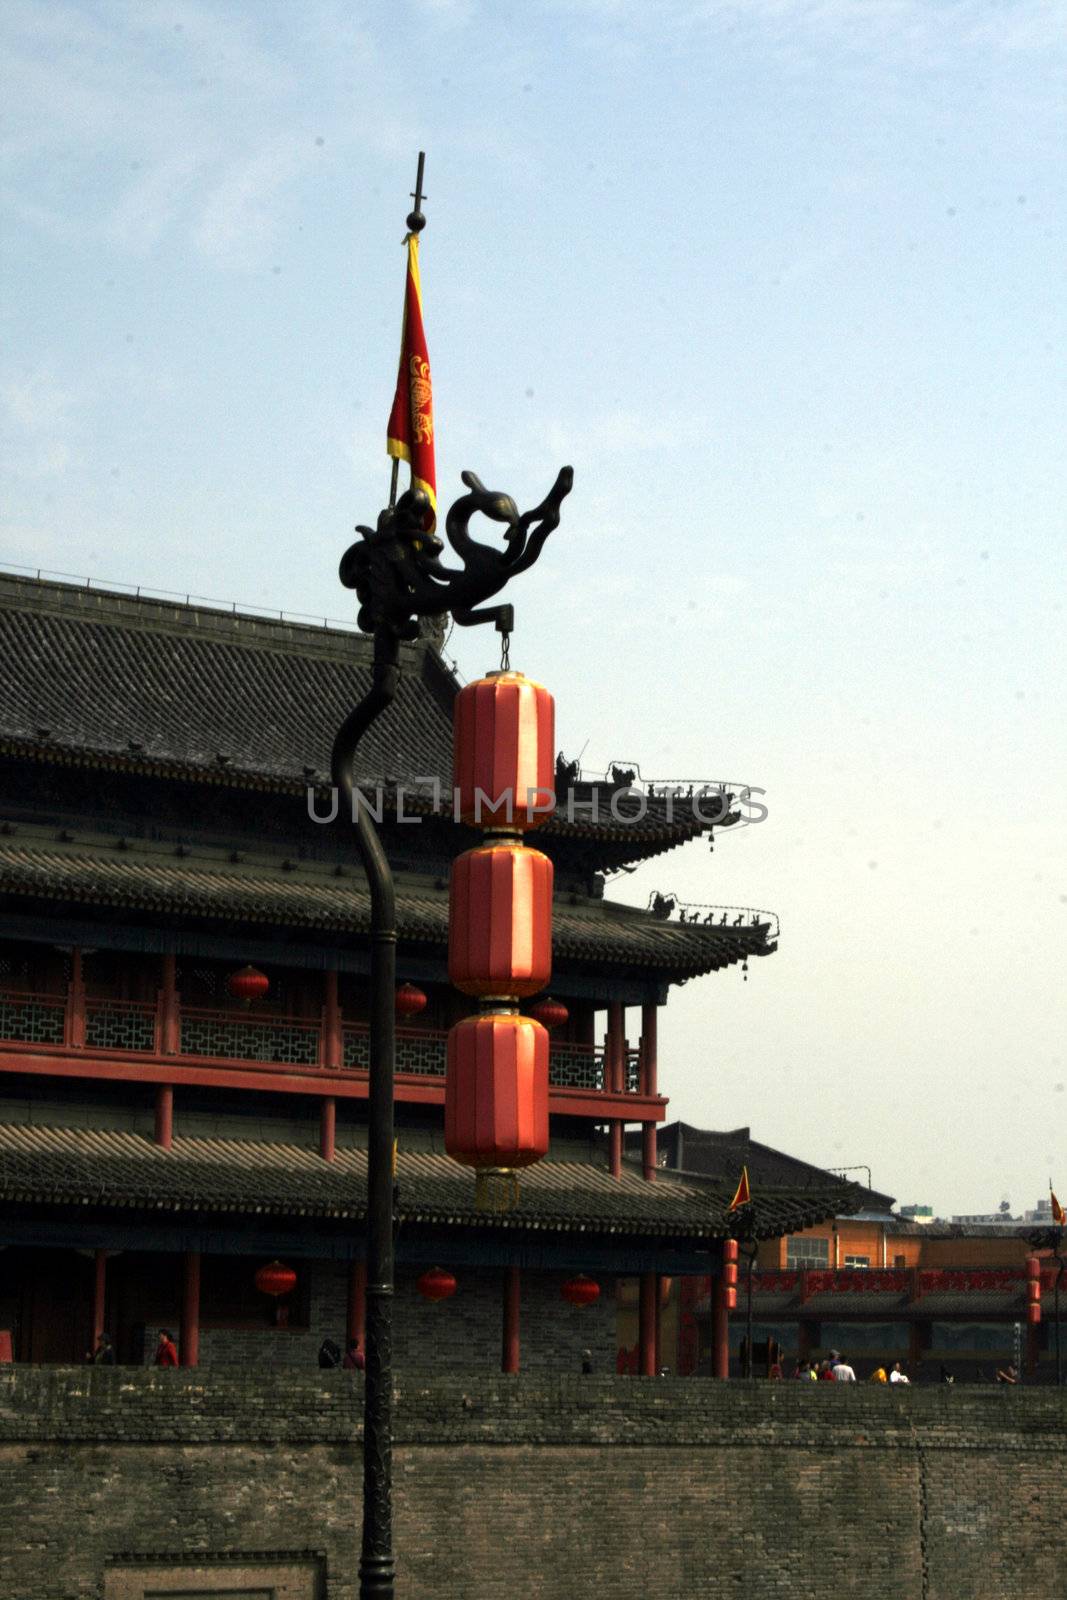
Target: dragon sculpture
397 571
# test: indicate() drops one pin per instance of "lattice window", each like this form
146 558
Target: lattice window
420 1053
250 1041
633 1072
425 1055
30 1022
575 1067
114 1026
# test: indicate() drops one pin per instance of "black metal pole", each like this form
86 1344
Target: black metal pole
376 1567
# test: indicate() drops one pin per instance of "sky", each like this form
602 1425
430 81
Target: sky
784 281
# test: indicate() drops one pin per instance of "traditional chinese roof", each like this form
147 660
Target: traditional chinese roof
206 884
722 1155
184 691
77 1167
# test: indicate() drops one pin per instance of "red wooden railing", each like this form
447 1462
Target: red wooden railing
236 1035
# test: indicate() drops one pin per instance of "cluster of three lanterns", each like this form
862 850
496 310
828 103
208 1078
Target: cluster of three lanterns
500 930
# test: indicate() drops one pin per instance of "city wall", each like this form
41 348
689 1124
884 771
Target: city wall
121 1483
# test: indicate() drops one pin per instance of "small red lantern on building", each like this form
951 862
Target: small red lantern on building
580 1290
275 1279
436 1284
504 747
550 1013
409 1001
248 984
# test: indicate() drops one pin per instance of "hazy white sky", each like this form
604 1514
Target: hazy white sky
784 280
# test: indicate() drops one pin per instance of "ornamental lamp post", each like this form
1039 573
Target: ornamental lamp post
399 577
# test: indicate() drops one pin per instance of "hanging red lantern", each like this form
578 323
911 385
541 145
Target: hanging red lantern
496 1091
436 1284
275 1279
580 1290
729 1274
729 1251
664 1292
409 1000
550 1013
1033 1313
729 1299
500 921
504 745
248 984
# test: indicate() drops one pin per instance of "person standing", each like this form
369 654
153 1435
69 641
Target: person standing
842 1372
104 1354
898 1375
166 1350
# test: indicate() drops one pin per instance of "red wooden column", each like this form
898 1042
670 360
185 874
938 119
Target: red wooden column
720 1330
163 1116
189 1346
357 1301
510 1352
164 1132
613 1072
170 1042
646 1325
332 1037
649 1074
327 1127
75 1025
99 1295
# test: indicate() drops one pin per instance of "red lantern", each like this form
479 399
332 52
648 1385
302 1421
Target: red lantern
1033 1313
249 984
409 1000
504 744
1033 1267
275 1279
436 1284
729 1299
729 1274
664 1292
500 921
729 1250
581 1291
550 1013
496 1091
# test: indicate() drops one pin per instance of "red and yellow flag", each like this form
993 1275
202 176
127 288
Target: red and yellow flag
743 1196
1059 1216
410 432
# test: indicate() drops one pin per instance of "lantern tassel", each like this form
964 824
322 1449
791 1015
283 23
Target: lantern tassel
496 1189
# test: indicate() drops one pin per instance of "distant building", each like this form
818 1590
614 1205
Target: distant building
879 1285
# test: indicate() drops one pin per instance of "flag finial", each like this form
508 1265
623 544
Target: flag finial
416 220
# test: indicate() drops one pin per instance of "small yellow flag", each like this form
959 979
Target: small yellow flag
743 1194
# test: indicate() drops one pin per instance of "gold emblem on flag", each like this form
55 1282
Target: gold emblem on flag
421 400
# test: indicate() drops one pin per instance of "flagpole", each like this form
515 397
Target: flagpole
416 222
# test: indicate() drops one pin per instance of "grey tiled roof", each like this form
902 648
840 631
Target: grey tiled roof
75 1167
182 690
207 884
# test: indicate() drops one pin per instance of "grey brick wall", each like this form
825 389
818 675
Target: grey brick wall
516 1488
